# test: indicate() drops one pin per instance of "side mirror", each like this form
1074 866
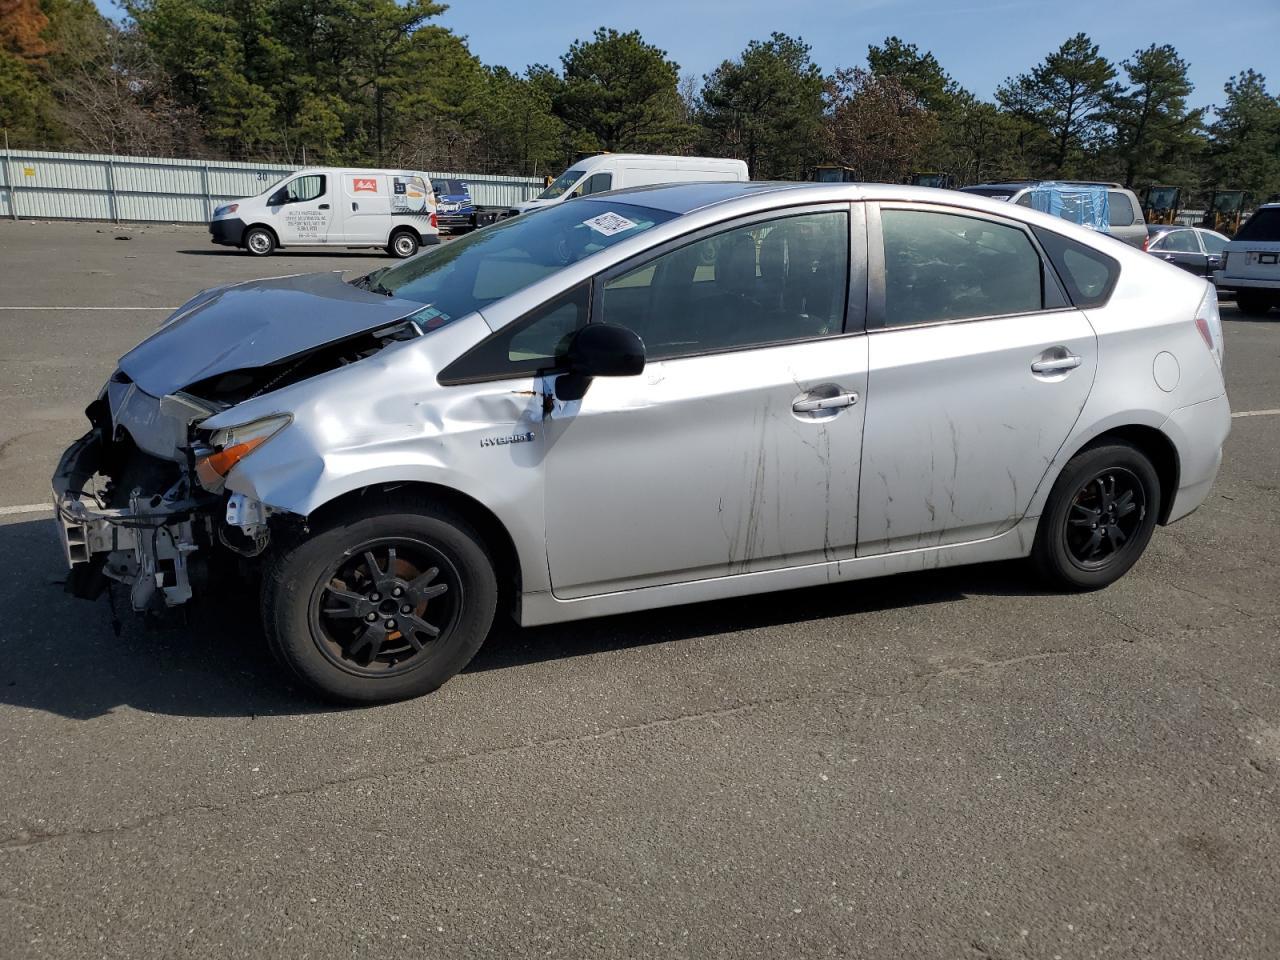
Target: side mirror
599 350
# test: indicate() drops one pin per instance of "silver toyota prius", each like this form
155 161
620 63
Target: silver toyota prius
644 398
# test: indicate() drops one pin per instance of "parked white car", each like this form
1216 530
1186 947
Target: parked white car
333 207
648 398
619 171
1251 263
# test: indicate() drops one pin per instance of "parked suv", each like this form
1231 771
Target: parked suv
1251 263
1124 219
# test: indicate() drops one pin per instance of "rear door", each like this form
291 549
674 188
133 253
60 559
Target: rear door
366 208
978 368
1182 249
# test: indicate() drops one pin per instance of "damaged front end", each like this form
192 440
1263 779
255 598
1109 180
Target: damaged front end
141 499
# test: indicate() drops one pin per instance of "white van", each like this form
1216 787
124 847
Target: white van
333 206
613 171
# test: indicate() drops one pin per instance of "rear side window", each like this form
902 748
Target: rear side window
1120 210
1263 226
1088 274
1180 241
943 266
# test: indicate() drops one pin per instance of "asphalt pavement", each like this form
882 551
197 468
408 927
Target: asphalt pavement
952 764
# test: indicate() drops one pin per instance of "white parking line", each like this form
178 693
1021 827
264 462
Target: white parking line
27 508
89 308
1255 413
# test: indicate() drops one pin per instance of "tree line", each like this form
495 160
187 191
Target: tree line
379 82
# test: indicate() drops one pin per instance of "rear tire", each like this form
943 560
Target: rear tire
259 241
320 592
1099 517
403 244
1253 303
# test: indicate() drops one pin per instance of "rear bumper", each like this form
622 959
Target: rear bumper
1198 432
228 232
1244 283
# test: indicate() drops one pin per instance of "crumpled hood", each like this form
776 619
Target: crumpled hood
253 324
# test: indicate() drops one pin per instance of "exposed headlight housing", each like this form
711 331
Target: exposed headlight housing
229 208
229 446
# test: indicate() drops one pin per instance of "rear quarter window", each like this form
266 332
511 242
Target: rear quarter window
1119 209
1263 226
1088 274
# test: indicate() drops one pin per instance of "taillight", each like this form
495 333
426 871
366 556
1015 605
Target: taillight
434 222
1146 243
1209 323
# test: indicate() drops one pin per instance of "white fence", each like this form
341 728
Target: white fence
38 184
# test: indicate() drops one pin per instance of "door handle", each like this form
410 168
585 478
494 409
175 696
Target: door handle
1056 364
354 205
825 403
323 206
1169 258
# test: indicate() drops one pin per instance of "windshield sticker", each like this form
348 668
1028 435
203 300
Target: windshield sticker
429 318
609 223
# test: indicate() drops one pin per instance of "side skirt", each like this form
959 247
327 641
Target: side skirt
542 607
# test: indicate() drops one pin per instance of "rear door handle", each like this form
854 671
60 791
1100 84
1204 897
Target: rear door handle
355 206
1056 364
811 404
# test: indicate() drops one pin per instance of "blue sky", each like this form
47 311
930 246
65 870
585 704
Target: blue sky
979 42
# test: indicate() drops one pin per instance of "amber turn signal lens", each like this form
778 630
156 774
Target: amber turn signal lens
211 469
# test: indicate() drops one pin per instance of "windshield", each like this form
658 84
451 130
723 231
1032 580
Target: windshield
450 188
561 184
274 185
487 265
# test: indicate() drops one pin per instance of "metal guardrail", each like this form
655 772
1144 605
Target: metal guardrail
48 185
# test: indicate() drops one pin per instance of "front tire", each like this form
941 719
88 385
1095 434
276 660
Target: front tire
1099 517
404 244
382 602
259 241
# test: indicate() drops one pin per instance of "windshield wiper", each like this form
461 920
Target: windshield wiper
371 283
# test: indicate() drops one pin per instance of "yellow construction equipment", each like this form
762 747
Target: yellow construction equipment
1161 203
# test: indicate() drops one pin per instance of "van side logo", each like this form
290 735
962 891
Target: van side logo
500 441
364 185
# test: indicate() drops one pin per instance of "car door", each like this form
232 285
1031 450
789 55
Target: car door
1182 249
978 368
1214 245
737 449
366 213
303 210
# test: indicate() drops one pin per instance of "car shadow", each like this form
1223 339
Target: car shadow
286 252
65 656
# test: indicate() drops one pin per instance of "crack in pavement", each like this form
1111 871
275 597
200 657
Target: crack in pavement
25 840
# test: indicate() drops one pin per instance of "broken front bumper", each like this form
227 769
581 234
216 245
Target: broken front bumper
145 544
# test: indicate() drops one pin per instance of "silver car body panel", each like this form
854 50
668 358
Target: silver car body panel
247 325
696 480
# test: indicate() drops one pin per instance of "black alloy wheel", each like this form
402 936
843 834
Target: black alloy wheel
1099 516
1105 516
381 599
385 604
